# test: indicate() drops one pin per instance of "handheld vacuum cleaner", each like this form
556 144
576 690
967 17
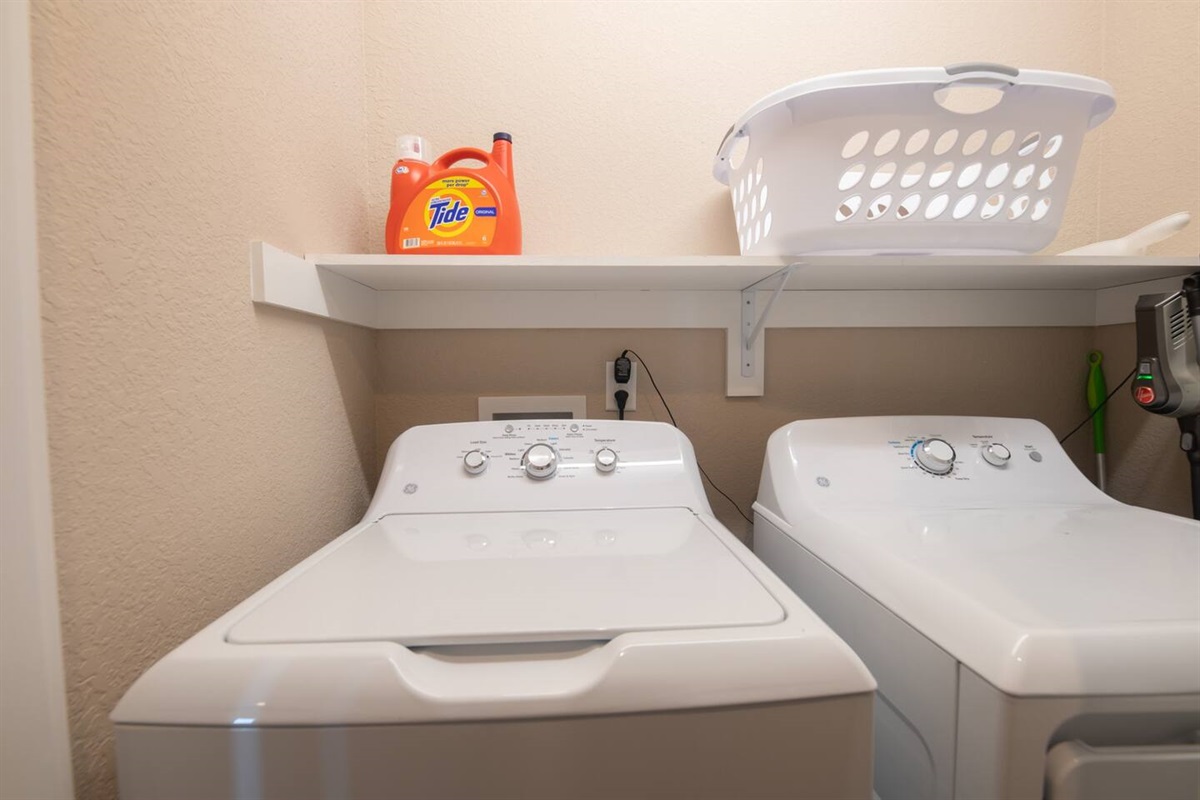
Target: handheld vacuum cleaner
1167 380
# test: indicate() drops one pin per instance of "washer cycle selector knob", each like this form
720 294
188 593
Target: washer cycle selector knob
475 462
540 461
996 454
606 459
934 455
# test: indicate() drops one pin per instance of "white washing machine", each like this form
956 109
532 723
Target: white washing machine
535 609
1031 636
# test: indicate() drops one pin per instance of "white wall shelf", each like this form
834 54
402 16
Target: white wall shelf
541 292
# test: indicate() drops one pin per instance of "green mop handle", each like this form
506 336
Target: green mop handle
1097 389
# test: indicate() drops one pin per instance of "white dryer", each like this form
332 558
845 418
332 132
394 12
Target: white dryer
1032 637
535 609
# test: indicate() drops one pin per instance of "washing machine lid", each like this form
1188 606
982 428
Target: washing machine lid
446 579
1063 600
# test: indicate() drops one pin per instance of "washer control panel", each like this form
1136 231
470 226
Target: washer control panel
539 464
537 449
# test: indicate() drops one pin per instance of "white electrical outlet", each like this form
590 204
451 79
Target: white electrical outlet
610 386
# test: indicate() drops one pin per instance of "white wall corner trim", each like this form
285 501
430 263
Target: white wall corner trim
35 759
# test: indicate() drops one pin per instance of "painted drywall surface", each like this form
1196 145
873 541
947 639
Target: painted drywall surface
1151 147
199 445
811 373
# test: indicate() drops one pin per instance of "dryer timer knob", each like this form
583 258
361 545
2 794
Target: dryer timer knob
540 461
934 455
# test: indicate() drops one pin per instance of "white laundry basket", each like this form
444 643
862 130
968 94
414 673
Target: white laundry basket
873 162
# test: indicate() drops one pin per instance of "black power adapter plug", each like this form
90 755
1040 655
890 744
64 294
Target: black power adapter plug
622 370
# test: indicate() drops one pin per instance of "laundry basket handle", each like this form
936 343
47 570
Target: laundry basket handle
721 165
983 71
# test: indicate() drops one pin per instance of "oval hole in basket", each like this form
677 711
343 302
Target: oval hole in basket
1040 208
997 175
848 208
855 144
758 168
887 142
1004 141
945 142
908 206
974 142
883 175
936 206
762 198
1053 145
964 206
992 207
852 176
1017 207
1023 177
969 175
737 153
916 143
1029 144
941 174
912 174
767 225
879 206
1047 177
968 99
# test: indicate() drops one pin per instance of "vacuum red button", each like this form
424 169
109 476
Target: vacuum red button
1144 395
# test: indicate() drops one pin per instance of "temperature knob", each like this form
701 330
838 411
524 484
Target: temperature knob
934 455
540 462
606 459
475 462
996 454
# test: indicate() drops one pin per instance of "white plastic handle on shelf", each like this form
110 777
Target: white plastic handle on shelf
1136 243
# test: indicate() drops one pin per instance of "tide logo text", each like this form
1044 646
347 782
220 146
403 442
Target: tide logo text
443 212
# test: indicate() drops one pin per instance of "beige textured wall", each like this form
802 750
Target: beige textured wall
199 445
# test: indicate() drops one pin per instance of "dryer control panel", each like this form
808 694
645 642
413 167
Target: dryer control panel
924 461
538 464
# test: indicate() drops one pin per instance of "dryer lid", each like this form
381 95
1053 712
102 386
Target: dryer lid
445 579
1065 600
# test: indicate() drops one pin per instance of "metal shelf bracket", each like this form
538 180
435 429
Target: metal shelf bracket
752 327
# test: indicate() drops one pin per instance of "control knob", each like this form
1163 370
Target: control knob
540 462
475 462
996 454
606 459
935 456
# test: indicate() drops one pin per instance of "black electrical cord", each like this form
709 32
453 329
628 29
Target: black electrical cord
676 424
1103 403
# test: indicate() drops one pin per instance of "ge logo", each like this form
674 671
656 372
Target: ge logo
410 488
823 482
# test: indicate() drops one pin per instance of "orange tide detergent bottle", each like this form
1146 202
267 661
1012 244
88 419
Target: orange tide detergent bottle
440 208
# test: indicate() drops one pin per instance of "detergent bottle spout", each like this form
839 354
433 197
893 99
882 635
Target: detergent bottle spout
502 152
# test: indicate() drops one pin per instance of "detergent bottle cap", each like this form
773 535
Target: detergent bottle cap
501 135
411 148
